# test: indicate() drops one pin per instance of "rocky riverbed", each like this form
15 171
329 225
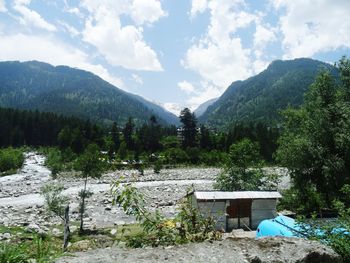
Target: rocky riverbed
21 203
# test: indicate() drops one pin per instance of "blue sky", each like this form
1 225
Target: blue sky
176 53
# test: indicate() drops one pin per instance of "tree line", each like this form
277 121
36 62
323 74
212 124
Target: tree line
189 143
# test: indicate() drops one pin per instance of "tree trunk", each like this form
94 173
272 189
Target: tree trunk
66 228
82 208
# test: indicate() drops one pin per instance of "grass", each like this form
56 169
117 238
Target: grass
25 246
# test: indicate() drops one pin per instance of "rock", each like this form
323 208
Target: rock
33 228
73 229
113 231
82 245
56 232
6 236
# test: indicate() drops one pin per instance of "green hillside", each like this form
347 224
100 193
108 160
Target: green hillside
260 98
70 91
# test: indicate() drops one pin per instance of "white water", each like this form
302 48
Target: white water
33 169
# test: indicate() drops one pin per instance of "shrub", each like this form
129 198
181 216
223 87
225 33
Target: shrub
157 167
10 159
175 156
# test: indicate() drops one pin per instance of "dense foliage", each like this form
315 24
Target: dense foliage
151 142
10 160
315 145
35 128
259 98
69 91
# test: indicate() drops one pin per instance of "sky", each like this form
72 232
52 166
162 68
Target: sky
176 53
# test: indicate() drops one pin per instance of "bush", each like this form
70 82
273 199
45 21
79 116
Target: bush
175 156
157 167
10 159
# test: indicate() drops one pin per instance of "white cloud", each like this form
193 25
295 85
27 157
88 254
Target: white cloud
137 79
263 35
50 51
220 63
146 11
198 6
30 17
219 56
3 6
173 107
208 92
186 87
75 11
120 45
70 29
309 27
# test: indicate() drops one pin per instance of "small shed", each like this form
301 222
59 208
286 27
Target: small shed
239 209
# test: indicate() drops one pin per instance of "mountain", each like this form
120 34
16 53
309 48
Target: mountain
260 97
203 107
71 91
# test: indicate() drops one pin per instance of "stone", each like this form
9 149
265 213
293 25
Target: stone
113 231
34 228
82 245
73 229
56 232
6 236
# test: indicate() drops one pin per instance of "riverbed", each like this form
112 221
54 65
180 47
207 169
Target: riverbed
21 202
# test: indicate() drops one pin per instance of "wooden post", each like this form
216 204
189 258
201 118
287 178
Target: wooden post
66 228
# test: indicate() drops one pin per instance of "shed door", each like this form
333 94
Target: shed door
240 208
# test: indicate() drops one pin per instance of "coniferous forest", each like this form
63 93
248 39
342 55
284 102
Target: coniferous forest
191 143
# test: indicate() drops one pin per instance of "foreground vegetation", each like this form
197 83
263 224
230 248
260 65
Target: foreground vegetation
10 160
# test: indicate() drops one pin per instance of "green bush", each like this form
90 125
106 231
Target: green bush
175 156
10 159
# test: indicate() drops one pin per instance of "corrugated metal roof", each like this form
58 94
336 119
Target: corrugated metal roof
216 195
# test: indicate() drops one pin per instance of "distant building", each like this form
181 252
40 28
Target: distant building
231 210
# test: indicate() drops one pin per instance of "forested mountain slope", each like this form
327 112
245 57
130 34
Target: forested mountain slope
70 91
260 97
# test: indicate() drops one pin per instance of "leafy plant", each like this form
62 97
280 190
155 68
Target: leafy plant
58 205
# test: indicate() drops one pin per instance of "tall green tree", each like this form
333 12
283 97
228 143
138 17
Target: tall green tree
128 133
315 145
189 128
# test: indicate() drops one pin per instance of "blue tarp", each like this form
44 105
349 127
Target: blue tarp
279 226
288 227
